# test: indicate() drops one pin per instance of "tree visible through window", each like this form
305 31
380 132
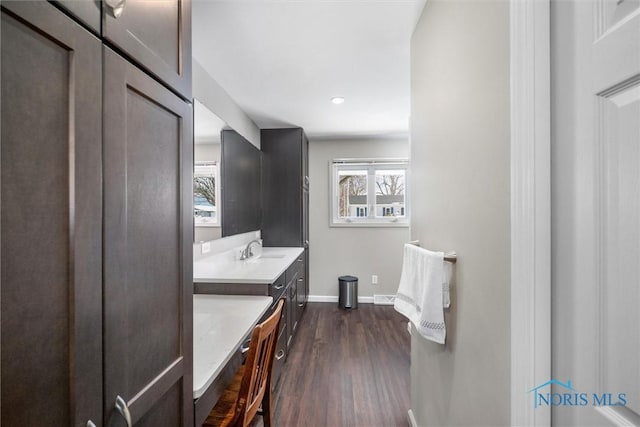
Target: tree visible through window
368 192
204 187
352 186
205 193
390 197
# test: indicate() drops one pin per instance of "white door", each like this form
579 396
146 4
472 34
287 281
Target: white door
596 211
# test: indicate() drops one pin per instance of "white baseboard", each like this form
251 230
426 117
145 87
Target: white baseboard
412 419
334 298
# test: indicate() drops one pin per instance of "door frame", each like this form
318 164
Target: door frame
530 52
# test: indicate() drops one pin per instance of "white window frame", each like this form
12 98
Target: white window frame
209 222
371 166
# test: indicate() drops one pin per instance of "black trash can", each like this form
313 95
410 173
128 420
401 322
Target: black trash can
348 297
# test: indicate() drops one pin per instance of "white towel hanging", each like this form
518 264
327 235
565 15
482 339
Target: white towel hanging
421 295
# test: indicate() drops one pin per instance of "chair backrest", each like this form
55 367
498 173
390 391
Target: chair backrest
257 373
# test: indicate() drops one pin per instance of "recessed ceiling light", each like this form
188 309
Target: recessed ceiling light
337 100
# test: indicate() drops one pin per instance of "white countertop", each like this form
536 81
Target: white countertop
220 322
263 269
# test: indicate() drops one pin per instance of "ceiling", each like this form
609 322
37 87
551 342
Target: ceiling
282 61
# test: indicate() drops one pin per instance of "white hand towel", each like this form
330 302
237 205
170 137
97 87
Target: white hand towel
420 292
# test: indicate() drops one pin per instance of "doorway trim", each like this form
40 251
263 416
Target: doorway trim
530 52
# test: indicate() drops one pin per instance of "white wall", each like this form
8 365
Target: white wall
461 201
206 152
361 252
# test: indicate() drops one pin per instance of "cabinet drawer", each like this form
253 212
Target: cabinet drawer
279 358
276 290
269 312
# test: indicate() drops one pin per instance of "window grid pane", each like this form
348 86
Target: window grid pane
352 193
390 193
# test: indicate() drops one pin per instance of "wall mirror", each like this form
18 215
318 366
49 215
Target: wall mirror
207 170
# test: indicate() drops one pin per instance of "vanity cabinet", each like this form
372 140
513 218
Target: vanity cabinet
285 191
302 288
287 286
297 298
96 267
280 288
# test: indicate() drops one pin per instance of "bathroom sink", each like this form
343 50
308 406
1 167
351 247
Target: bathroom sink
274 256
264 259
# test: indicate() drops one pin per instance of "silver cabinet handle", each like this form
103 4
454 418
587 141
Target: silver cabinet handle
90 424
280 354
301 279
279 287
245 346
122 407
117 6
300 304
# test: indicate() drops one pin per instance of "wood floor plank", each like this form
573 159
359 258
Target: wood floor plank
346 368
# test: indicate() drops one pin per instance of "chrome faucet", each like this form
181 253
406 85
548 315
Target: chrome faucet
247 252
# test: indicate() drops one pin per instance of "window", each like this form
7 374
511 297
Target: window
206 194
369 192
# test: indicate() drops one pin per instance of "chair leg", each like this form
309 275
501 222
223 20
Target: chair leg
266 408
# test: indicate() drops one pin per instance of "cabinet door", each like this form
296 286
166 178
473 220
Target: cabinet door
279 357
156 34
306 276
87 11
51 214
292 321
282 182
300 298
148 250
301 289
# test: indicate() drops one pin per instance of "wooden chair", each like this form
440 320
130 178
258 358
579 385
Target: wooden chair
251 385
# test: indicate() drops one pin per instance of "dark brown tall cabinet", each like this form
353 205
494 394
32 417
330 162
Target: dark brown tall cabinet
285 197
95 220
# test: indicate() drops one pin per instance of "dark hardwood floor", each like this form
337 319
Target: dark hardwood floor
346 368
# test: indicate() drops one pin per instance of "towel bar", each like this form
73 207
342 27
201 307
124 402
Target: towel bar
451 257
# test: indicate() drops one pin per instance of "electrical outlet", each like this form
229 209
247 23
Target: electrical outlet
206 247
374 279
